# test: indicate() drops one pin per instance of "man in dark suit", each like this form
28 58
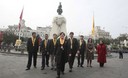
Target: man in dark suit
32 48
52 51
72 46
45 52
61 54
81 51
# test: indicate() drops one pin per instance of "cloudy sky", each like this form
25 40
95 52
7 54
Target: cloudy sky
112 15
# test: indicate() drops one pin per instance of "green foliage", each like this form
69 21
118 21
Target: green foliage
23 39
106 41
115 47
116 41
125 48
9 38
122 38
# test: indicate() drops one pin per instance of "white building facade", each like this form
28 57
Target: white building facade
27 31
124 42
100 33
24 31
43 30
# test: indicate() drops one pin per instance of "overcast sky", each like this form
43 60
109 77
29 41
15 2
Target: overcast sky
112 15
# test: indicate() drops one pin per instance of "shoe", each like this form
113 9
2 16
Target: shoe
91 66
78 66
55 69
70 70
35 67
82 66
47 65
58 76
42 68
101 66
28 69
63 73
87 65
51 68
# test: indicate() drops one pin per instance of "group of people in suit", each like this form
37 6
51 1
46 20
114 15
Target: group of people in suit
63 50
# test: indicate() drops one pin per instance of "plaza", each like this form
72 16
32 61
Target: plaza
13 65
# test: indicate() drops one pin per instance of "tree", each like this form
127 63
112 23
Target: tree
24 39
105 40
9 38
116 41
122 38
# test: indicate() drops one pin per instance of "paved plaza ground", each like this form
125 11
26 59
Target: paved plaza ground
14 65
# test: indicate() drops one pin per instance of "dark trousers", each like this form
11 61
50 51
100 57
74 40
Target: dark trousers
45 60
61 65
121 55
80 59
101 64
30 55
71 60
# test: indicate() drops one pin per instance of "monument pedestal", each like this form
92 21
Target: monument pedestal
58 26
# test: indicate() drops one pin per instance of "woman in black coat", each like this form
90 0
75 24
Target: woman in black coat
61 54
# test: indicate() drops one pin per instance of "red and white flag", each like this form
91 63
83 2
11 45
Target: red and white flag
21 16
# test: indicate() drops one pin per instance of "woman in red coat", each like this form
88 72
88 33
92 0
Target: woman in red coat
101 51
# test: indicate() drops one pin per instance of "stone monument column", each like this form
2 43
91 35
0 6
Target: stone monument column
59 23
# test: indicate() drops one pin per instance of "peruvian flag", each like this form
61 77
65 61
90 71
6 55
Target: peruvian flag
21 16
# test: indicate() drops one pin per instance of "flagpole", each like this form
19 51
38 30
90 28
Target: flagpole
93 30
19 28
20 22
19 34
94 39
20 25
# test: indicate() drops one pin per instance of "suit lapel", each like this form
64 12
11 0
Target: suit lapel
31 41
82 43
47 42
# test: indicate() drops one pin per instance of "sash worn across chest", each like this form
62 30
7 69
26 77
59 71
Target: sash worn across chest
54 42
62 43
33 41
80 43
45 43
71 41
